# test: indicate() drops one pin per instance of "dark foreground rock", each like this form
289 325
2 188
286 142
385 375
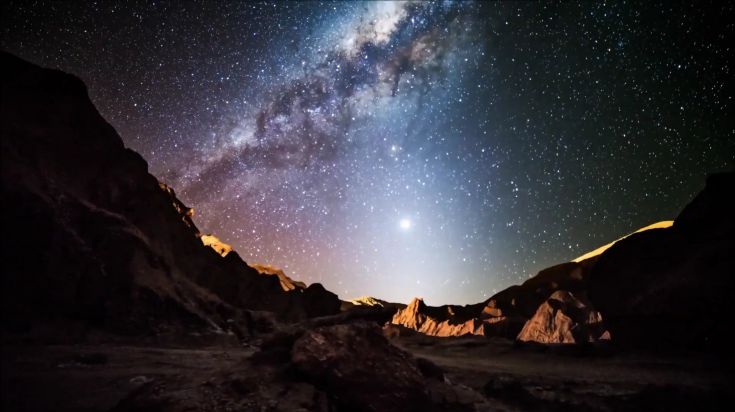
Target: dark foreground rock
672 288
468 373
93 242
348 367
342 358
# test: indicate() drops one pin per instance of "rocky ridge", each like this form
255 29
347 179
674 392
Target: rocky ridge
99 243
664 286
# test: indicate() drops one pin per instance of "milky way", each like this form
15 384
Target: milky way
444 150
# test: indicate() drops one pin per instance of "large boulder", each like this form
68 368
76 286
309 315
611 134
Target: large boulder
362 371
328 368
356 362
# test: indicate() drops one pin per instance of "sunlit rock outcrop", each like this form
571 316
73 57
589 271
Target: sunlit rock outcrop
564 318
436 321
219 246
658 225
287 283
365 302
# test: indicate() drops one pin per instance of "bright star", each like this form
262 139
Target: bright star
405 224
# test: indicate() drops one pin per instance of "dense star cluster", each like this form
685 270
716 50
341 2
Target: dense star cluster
444 150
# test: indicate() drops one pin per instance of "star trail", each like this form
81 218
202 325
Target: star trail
399 149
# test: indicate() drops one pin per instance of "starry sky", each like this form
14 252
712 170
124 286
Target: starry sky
445 150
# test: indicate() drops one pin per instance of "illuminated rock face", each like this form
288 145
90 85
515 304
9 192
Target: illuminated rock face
369 302
663 287
658 225
564 318
439 321
219 246
503 315
98 241
287 284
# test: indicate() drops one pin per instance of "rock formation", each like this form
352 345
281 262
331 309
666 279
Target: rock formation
287 283
564 318
360 370
93 240
343 357
436 321
370 302
504 314
664 286
658 225
671 288
219 246
344 367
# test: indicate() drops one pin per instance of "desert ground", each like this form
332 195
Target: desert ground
507 376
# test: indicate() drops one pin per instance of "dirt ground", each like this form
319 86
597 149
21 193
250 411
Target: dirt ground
534 377
97 378
101 377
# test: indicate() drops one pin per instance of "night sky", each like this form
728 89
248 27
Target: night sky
444 150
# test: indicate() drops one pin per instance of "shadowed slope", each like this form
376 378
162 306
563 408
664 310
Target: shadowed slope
672 288
91 238
658 225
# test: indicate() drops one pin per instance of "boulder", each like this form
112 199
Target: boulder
356 362
362 371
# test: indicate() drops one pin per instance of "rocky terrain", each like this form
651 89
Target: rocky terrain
343 367
664 287
504 314
564 318
672 287
113 300
369 301
658 225
95 244
535 377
